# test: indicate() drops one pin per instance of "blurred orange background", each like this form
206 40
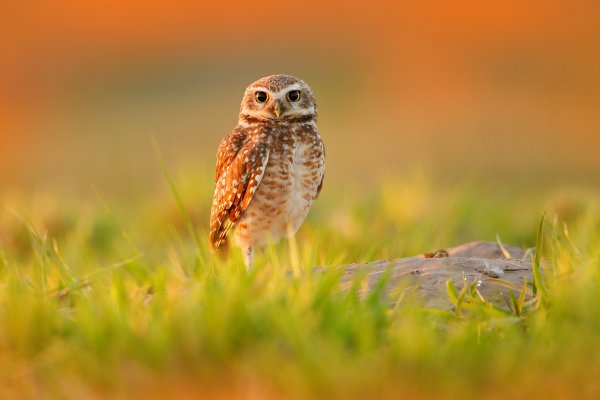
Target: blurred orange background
502 89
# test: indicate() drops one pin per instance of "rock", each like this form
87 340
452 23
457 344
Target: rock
425 276
490 250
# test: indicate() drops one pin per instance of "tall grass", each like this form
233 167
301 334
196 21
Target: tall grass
87 313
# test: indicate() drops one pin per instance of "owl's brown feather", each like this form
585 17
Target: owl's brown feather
320 187
241 162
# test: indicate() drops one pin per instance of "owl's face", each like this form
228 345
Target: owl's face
278 97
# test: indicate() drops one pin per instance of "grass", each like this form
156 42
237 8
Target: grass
114 299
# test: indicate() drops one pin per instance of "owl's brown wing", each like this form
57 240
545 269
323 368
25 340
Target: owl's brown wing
241 163
322 176
320 187
228 149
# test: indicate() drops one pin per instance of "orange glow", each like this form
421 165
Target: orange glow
532 63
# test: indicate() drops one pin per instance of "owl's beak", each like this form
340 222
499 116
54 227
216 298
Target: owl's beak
277 109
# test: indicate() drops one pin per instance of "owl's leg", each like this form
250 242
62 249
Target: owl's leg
248 253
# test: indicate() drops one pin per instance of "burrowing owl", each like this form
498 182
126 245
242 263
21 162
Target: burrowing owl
269 168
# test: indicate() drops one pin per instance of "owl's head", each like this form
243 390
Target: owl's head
278 97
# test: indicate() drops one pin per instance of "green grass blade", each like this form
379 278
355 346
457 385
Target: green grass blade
504 251
514 303
538 286
522 298
182 209
452 292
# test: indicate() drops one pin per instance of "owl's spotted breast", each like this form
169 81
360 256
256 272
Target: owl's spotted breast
288 187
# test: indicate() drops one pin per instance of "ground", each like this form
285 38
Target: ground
120 298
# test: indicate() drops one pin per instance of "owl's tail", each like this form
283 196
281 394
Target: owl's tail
219 247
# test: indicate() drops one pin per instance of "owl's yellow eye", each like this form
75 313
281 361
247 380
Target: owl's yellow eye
293 95
261 97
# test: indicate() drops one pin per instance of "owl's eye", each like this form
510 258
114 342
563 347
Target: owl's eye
293 95
261 97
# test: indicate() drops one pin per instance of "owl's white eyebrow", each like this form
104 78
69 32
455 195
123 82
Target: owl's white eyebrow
295 86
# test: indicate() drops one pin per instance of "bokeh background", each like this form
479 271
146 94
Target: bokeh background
502 91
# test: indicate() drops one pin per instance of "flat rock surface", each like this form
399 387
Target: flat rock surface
494 271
